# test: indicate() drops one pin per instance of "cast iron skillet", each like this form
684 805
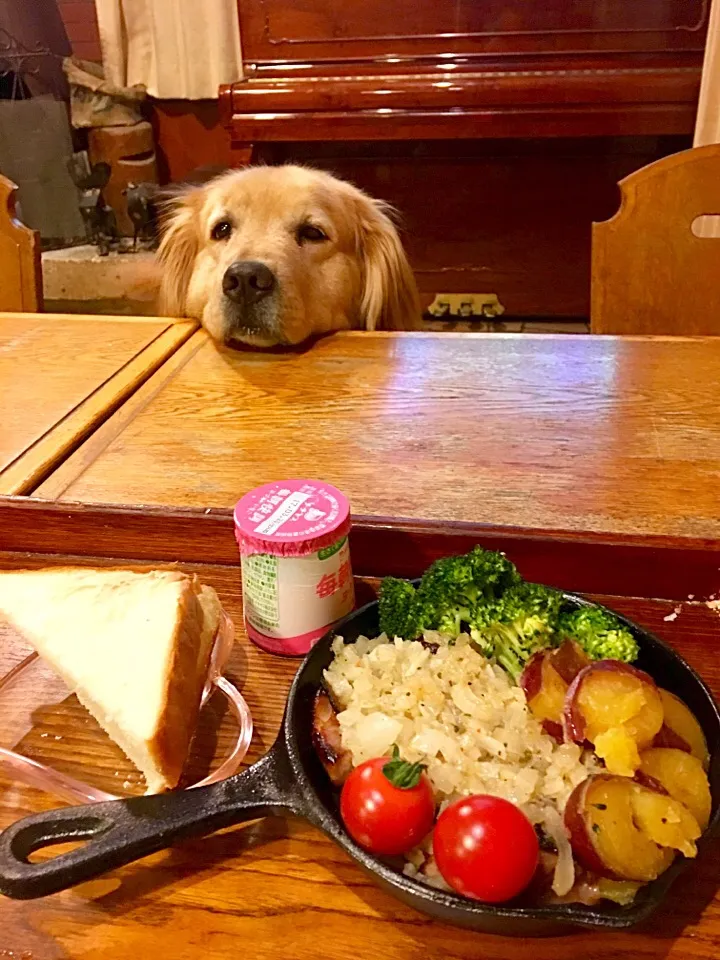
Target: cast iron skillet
291 780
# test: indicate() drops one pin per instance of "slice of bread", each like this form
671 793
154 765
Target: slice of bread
134 647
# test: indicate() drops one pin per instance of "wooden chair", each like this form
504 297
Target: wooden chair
20 265
656 263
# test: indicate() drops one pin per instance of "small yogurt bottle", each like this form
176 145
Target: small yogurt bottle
297 579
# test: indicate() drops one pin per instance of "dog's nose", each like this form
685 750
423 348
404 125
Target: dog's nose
247 281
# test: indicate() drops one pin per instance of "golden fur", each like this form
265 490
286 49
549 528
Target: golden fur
354 274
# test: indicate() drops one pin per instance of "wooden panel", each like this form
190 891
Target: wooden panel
670 568
440 92
435 104
511 218
651 273
20 265
81 24
557 432
62 375
576 120
314 29
275 883
188 135
38 461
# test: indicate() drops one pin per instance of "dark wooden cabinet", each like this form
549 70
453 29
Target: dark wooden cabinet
319 70
499 127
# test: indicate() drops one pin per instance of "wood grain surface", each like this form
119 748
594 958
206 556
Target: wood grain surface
60 376
614 435
277 886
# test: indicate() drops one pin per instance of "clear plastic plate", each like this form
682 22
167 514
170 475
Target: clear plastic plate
49 741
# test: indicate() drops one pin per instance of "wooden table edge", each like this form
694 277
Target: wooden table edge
380 334
45 507
95 317
46 453
661 566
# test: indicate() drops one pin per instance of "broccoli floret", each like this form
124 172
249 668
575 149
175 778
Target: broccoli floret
599 633
399 612
453 591
457 590
531 600
492 572
521 622
446 594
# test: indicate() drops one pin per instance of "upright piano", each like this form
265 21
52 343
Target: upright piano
500 127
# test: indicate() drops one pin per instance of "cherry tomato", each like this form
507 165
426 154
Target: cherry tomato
387 805
485 848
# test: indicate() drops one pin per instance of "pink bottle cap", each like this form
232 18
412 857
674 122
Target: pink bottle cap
291 517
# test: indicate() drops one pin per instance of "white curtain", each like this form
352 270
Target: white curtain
707 129
179 49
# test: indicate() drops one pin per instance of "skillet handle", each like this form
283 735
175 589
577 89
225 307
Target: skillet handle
118 832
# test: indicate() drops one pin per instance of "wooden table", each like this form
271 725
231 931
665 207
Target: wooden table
60 376
278 887
615 435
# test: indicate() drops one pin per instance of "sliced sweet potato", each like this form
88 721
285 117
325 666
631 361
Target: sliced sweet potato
681 729
619 751
545 692
618 709
682 775
665 820
605 838
545 681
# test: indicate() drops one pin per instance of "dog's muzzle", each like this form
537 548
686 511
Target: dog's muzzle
251 295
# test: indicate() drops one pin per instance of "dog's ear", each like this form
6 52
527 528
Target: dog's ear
178 249
390 297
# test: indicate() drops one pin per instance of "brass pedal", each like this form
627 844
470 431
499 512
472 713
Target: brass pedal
465 306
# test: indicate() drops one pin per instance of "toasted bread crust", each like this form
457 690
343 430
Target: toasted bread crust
184 683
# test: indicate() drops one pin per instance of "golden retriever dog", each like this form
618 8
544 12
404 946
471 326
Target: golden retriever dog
270 256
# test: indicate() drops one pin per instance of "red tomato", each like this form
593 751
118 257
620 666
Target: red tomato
384 818
485 848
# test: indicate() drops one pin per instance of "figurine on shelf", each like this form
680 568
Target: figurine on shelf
142 200
99 218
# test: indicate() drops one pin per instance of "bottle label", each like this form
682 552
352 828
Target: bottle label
292 601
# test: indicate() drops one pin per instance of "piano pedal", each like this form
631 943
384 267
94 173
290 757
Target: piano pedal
465 306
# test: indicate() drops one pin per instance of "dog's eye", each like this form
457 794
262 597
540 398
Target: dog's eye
221 230
308 233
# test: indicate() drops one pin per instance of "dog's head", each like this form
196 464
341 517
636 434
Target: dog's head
274 255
